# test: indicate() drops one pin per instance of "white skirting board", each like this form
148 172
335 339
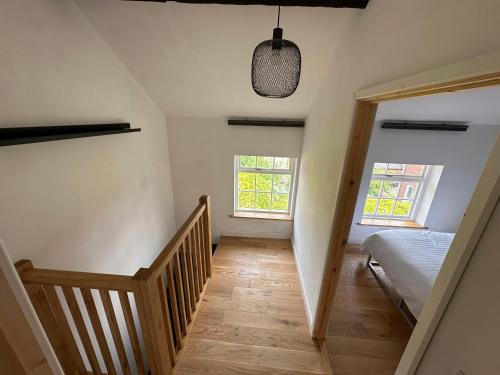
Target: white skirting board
309 314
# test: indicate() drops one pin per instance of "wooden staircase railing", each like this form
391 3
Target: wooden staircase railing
166 297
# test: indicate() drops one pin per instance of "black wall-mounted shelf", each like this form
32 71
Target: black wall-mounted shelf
35 134
453 126
278 123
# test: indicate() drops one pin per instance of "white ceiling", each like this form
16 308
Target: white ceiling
194 60
477 106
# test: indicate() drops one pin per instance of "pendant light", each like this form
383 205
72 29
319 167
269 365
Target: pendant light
276 66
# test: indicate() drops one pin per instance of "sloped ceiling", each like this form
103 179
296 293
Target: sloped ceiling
194 60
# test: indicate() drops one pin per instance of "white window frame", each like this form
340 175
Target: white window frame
292 171
398 178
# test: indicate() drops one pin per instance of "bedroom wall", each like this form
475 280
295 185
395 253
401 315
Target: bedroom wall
388 40
463 155
468 334
210 169
100 204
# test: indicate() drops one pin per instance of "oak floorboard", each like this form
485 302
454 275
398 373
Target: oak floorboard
287 359
217 350
367 334
255 336
252 317
356 365
272 322
212 367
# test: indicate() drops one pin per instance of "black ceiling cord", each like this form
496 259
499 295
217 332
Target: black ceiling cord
356 4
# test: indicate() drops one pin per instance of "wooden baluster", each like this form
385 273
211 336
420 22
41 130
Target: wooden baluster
207 225
154 327
62 340
132 331
198 258
173 303
199 239
115 330
203 249
69 342
186 282
162 294
88 299
194 269
81 328
180 290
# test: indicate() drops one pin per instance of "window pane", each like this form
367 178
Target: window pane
385 206
280 202
402 208
281 183
395 169
379 168
246 200
374 188
390 189
370 205
247 161
282 163
246 181
264 181
263 201
408 190
414 170
265 162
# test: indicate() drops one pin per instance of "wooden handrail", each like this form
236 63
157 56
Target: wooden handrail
79 279
167 296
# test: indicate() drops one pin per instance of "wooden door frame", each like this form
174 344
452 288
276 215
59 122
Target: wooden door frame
481 71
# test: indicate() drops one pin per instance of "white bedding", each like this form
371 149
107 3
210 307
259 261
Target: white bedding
411 259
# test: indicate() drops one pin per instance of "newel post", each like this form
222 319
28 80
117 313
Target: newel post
207 235
149 307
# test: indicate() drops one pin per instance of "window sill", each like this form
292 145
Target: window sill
261 216
392 223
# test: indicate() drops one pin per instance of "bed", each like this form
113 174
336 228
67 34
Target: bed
411 259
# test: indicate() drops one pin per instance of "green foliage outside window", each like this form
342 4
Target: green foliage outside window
264 191
370 206
264 181
246 200
263 201
246 181
374 188
247 161
385 206
402 208
265 162
280 202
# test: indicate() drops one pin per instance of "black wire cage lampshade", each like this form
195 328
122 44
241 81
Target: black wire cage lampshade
276 65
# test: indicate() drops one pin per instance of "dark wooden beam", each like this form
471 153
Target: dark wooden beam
358 4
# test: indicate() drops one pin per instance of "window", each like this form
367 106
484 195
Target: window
395 190
264 184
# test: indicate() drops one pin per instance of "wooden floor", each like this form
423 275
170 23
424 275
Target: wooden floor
367 334
252 319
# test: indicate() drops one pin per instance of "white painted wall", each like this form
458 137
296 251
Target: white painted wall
468 335
388 40
202 160
463 155
99 204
